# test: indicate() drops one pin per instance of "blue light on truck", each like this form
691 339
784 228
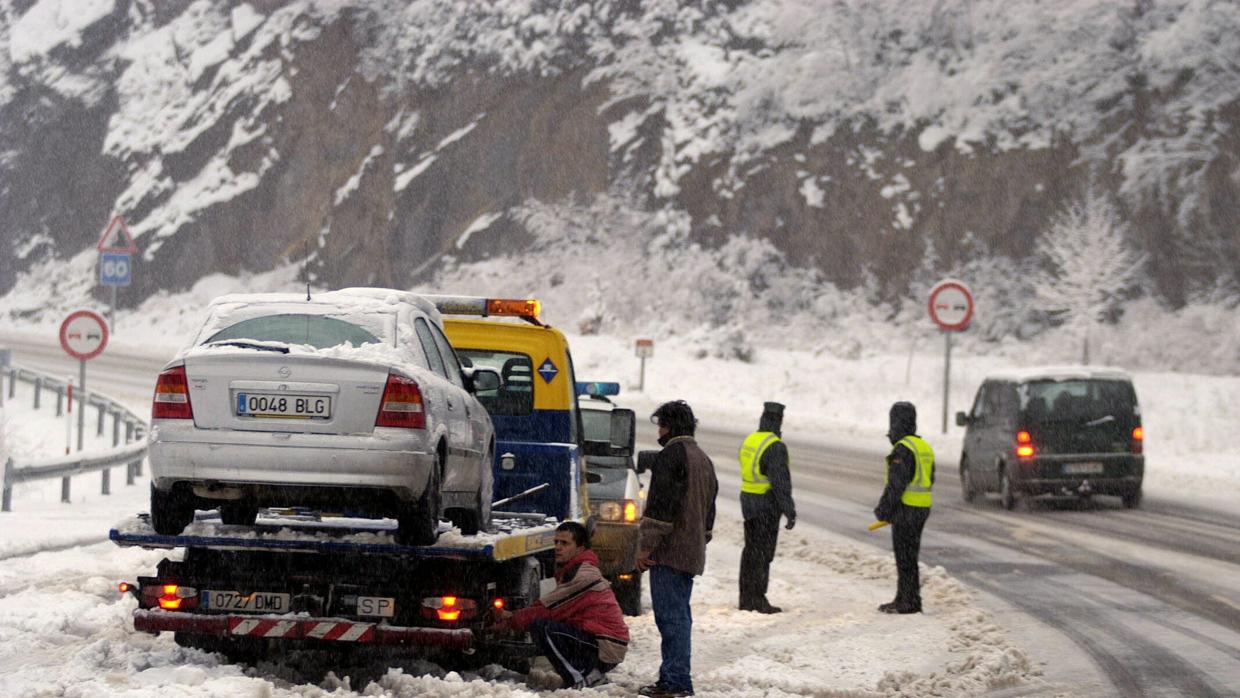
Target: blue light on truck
597 388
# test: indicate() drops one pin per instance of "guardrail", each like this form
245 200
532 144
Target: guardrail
130 453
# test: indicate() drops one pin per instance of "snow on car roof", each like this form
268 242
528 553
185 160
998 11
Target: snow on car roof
346 298
1059 373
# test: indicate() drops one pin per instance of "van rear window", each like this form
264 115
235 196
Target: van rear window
1077 400
516 396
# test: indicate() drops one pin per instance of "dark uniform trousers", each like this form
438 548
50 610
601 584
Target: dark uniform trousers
761 534
906 542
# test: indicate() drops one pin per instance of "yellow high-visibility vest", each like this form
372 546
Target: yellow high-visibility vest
917 494
753 480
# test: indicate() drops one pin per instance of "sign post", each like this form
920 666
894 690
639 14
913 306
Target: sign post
116 251
645 350
951 308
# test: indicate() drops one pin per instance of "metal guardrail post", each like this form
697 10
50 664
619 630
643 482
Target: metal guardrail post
103 410
64 490
38 390
60 401
6 500
106 481
116 428
12 382
128 432
130 470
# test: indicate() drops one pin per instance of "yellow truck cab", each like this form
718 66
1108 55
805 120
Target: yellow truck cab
540 444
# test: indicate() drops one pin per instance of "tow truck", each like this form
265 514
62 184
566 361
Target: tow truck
302 578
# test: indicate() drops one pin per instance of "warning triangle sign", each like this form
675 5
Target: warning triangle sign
116 238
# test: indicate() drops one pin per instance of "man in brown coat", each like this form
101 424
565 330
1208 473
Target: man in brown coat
676 526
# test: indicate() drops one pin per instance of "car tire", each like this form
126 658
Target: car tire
171 511
629 595
1132 500
967 490
417 523
238 513
1007 496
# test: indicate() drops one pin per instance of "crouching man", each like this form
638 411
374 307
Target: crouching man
578 625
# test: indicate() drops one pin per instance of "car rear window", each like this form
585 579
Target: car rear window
318 331
516 396
1077 400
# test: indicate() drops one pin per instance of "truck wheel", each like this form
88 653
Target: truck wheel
629 595
417 523
171 511
967 490
238 513
468 520
1007 497
1132 500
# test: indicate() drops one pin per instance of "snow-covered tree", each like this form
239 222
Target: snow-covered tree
1089 266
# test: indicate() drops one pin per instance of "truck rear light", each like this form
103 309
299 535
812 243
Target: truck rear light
402 404
170 597
449 608
624 510
1024 445
172 396
1138 440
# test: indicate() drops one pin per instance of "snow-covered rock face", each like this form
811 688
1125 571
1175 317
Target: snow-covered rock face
370 141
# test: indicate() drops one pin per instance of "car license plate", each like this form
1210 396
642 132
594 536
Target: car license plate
254 602
283 406
1091 468
381 606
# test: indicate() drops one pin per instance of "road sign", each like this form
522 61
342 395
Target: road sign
116 238
115 268
84 334
951 305
645 348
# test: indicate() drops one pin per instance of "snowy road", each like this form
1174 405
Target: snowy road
1148 597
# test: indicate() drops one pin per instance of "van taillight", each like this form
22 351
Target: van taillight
402 404
172 396
1024 445
1138 440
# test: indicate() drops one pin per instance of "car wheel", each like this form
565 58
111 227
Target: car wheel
1132 500
171 511
967 489
629 595
238 513
417 523
1007 497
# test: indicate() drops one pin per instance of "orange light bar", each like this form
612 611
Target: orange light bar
630 511
512 307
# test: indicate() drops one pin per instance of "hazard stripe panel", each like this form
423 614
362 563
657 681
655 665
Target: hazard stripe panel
343 631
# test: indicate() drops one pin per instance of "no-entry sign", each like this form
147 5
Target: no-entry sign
84 334
951 305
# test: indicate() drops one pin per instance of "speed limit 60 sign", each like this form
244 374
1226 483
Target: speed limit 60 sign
115 268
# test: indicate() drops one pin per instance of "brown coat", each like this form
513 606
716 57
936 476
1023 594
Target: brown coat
680 510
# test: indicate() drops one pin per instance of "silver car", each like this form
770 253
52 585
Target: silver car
348 401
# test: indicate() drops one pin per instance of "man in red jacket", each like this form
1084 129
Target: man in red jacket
578 625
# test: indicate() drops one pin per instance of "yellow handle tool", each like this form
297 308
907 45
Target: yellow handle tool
878 524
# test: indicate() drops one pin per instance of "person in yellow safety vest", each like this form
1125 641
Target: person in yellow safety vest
906 503
766 494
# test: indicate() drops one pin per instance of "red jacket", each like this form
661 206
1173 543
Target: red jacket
584 600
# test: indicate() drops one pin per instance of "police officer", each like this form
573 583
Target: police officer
766 494
906 503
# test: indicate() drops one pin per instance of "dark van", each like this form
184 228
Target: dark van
1060 431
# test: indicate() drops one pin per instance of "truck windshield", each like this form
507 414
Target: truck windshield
516 396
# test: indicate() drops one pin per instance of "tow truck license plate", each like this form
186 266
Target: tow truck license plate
255 602
284 405
1091 468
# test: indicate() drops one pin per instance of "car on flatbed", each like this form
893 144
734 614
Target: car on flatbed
1073 430
349 401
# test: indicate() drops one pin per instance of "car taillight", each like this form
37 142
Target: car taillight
1138 440
172 396
402 404
1024 445
169 597
449 608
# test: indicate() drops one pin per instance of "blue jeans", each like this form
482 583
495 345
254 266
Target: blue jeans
669 594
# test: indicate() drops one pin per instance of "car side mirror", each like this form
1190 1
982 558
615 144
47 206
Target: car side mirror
623 432
962 419
646 460
481 380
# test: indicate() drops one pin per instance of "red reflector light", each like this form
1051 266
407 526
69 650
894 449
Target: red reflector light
1138 439
1023 437
172 396
402 404
498 603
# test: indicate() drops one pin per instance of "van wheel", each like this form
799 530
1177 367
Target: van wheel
417 523
1007 497
1132 500
171 511
629 595
238 513
967 489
